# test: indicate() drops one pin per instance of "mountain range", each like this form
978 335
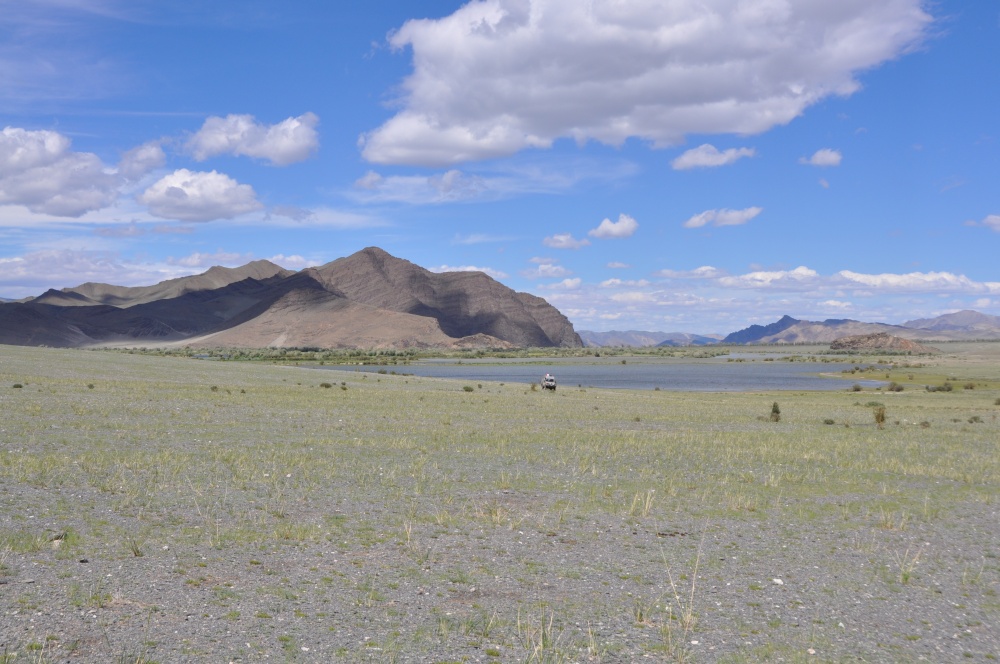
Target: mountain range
369 299
959 326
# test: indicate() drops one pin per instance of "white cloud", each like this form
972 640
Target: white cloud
480 238
220 257
800 277
824 157
617 265
708 156
703 272
289 141
141 160
39 171
565 241
498 76
624 227
723 217
496 274
35 272
919 282
293 262
836 304
992 221
630 283
199 196
546 271
565 285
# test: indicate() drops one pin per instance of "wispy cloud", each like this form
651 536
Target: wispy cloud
496 274
723 217
565 241
709 156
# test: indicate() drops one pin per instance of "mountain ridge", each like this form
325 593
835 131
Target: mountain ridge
370 299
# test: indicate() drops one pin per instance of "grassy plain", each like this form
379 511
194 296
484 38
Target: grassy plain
169 509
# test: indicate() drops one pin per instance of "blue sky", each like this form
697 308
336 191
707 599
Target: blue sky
697 166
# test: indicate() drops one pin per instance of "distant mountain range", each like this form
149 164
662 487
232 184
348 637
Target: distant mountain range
959 326
638 339
367 300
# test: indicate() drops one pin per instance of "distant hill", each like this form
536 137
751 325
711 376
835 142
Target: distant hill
640 339
367 300
881 341
964 326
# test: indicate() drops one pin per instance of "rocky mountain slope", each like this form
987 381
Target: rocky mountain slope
881 341
368 300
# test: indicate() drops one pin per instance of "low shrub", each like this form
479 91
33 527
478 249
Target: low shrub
895 387
325 385
469 388
856 387
775 412
880 417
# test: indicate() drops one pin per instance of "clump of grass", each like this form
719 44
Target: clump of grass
894 387
17 386
856 387
880 417
969 386
945 387
828 421
975 419
469 388
775 412
325 386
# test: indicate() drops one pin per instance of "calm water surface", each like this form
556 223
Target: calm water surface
710 375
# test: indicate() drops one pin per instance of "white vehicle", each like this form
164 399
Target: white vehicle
549 382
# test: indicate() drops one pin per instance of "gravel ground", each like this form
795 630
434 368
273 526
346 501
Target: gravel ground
323 542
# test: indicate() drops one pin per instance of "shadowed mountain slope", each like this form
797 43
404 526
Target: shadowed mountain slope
463 303
368 300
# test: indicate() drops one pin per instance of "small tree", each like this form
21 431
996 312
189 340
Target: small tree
775 413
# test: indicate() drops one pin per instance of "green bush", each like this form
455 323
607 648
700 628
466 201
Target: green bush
469 388
775 412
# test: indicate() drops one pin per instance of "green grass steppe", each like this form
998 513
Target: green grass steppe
163 509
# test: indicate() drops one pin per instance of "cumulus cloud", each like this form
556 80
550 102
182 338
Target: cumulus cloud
141 160
618 265
498 76
565 241
723 217
992 221
496 274
39 171
199 196
624 227
709 156
289 141
824 157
